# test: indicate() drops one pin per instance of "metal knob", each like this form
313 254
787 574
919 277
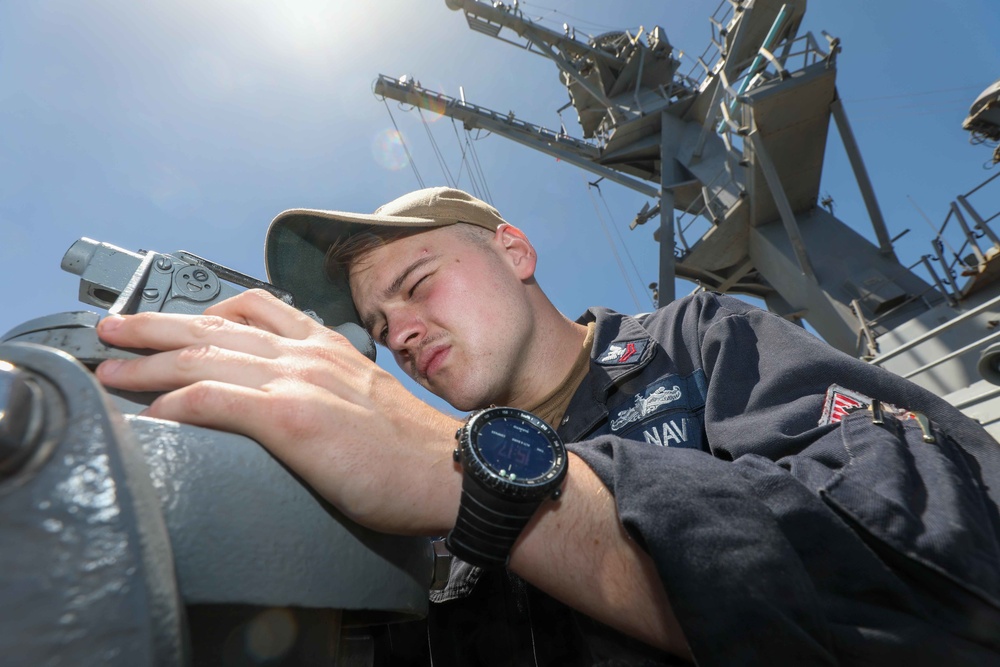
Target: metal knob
20 418
989 364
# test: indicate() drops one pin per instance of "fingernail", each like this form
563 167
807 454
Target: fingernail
109 367
110 323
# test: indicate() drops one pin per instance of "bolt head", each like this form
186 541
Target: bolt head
19 423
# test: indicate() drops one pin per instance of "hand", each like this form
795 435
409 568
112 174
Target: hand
256 366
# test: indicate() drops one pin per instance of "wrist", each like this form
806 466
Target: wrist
511 462
441 480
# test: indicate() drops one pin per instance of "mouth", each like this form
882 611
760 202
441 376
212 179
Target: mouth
431 360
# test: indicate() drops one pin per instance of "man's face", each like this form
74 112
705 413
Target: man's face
452 310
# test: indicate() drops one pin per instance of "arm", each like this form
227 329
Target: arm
578 552
255 366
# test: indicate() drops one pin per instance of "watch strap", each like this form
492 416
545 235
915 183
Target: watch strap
487 526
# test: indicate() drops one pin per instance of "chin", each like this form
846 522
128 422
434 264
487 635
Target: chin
463 399
465 403
462 405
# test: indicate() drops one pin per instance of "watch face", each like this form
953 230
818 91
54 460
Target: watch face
516 446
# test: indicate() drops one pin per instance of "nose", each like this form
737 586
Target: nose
406 330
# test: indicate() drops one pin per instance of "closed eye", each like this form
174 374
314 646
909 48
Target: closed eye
416 284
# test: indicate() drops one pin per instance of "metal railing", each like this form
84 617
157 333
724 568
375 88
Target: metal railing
721 20
967 258
796 54
956 266
710 211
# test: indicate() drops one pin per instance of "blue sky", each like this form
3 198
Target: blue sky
189 124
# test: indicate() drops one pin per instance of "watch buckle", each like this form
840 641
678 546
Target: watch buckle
441 568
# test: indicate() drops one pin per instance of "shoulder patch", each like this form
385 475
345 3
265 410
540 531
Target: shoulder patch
623 352
840 402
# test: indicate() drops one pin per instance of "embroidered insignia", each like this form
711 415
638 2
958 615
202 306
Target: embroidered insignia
624 352
672 433
645 406
841 402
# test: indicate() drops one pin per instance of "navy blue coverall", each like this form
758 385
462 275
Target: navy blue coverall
787 525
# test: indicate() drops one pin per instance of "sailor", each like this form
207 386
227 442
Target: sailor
735 491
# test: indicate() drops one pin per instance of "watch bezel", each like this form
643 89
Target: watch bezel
519 489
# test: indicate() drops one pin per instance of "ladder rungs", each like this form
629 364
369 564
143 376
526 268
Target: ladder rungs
484 27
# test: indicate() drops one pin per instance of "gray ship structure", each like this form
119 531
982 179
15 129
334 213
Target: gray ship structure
730 152
142 542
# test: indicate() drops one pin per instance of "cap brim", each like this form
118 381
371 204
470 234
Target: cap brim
295 256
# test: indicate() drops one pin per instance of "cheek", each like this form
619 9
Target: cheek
473 297
460 305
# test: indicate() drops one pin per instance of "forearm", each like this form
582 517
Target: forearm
577 551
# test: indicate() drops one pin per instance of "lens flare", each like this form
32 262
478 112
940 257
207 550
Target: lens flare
270 634
389 151
435 105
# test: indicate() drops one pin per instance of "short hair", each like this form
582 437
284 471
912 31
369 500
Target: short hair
345 252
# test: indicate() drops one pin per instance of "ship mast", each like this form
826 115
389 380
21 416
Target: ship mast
731 152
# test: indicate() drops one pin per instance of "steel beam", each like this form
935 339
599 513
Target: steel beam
567 149
781 201
671 131
861 175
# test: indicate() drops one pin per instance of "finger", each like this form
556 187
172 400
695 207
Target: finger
170 370
171 331
211 404
279 423
262 310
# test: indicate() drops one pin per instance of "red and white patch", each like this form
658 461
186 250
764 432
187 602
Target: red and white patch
623 352
841 402
628 353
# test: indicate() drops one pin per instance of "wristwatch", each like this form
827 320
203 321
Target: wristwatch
511 462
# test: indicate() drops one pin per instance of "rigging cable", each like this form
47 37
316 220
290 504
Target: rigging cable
883 106
621 239
437 151
611 243
479 167
409 158
580 21
918 94
465 162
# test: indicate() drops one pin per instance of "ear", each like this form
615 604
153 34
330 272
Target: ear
517 250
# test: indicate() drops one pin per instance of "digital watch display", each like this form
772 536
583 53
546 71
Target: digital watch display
517 448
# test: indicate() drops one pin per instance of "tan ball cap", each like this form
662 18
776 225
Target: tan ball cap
298 239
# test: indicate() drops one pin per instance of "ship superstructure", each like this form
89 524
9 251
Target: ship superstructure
730 152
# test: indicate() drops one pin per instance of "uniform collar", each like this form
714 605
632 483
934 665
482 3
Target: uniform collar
621 345
611 362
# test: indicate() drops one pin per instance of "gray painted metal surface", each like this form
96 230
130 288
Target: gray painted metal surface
245 530
86 568
117 527
127 282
